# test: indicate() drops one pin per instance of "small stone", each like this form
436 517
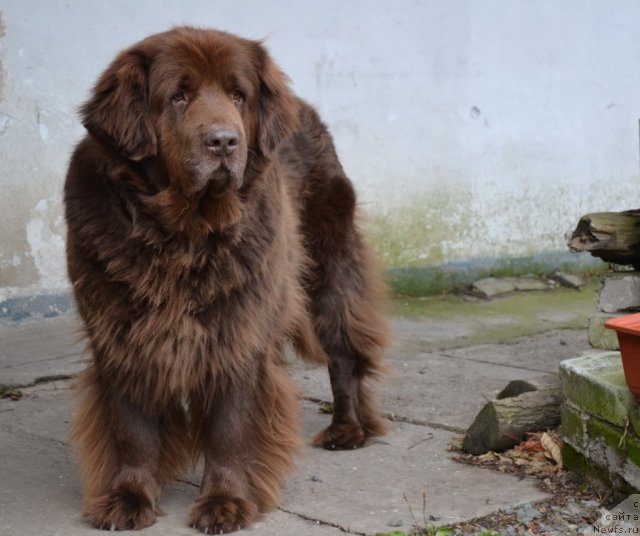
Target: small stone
395 523
492 286
315 478
528 513
570 280
531 283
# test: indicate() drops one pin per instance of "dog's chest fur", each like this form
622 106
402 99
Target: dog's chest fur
179 312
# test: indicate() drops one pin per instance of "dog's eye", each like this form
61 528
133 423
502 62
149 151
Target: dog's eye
179 97
237 96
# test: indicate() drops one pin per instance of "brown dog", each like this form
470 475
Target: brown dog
209 221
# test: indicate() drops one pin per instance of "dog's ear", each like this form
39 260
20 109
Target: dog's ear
277 107
118 110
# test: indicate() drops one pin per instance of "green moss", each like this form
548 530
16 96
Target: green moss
423 229
584 433
421 281
505 318
573 427
622 441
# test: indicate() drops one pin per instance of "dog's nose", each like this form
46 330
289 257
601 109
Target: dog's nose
221 141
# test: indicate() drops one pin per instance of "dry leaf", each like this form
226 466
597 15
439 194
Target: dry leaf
552 448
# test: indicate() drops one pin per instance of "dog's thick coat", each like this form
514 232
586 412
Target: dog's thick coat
209 221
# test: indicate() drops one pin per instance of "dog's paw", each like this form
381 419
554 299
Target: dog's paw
341 437
219 514
123 508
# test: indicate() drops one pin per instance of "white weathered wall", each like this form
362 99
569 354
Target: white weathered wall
471 128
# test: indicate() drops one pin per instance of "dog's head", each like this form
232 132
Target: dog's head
202 103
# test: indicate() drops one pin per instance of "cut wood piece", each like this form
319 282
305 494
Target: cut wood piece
503 423
612 236
518 387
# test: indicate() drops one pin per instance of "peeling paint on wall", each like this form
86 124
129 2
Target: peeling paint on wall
43 129
46 249
5 120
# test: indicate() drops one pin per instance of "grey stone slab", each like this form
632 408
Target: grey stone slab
569 280
492 286
30 350
620 292
533 283
542 353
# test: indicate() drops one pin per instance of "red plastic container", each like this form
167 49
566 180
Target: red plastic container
628 330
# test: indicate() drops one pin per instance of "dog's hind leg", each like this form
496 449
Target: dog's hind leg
345 302
344 290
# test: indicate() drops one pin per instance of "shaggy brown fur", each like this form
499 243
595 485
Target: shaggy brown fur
209 221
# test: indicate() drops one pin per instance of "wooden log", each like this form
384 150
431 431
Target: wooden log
612 236
503 423
518 387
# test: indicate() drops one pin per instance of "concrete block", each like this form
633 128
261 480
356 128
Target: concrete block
595 384
573 460
610 448
599 336
620 292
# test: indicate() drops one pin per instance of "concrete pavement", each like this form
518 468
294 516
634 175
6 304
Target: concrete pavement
445 365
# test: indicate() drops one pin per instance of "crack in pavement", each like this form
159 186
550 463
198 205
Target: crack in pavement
394 417
301 516
321 522
24 433
418 422
46 360
485 362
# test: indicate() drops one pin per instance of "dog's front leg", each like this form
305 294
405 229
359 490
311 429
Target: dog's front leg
122 453
225 502
248 435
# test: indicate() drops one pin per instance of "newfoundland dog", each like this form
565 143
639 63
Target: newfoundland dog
209 223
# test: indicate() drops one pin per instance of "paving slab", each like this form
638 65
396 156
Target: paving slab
33 349
540 353
366 490
40 487
436 387
428 388
359 491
